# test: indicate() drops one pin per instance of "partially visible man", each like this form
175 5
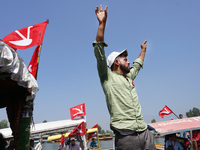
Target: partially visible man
74 146
31 144
126 118
182 133
3 142
93 144
11 146
39 145
173 143
180 116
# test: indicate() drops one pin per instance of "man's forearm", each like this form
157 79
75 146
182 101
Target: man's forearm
143 50
142 54
100 33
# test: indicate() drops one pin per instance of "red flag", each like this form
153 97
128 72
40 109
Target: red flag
61 143
96 126
33 65
165 111
93 134
78 110
79 130
26 37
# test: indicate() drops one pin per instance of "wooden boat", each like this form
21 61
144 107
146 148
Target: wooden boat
105 137
165 128
89 131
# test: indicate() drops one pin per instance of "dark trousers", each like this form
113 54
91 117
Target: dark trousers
138 141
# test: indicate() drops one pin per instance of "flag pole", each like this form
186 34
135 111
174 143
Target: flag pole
39 52
38 61
98 138
85 140
175 115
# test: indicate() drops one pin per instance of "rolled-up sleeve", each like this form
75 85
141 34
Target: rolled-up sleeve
137 64
101 58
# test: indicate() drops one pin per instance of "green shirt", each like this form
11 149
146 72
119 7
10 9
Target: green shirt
121 97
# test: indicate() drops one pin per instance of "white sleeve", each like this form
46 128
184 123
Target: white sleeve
36 147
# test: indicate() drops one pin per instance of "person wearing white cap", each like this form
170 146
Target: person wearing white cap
73 145
126 119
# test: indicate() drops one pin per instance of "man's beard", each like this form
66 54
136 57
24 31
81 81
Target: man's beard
73 144
125 69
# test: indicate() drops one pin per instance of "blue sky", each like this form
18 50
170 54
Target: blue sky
67 71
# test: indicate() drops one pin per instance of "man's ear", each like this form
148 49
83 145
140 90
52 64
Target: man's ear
117 62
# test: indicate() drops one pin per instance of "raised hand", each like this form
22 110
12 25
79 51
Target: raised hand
144 45
101 15
143 50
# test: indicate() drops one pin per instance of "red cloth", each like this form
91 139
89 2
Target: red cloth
196 136
33 65
133 83
93 134
61 142
26 37
79 130
78 110
165 111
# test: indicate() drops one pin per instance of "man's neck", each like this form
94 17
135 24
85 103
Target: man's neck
120 71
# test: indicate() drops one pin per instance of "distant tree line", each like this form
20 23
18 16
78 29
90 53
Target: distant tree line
153 120
101 131
3 124
193 112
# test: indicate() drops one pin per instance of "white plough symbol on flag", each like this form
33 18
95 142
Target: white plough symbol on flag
80 111
165 112
78 130
30 68
26 41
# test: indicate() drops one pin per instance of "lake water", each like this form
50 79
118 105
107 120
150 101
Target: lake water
103 144
159 140
54 146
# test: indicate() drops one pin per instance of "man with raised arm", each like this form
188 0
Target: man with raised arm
126 119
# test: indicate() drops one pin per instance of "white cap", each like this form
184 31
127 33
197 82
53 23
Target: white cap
111 58
72 139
